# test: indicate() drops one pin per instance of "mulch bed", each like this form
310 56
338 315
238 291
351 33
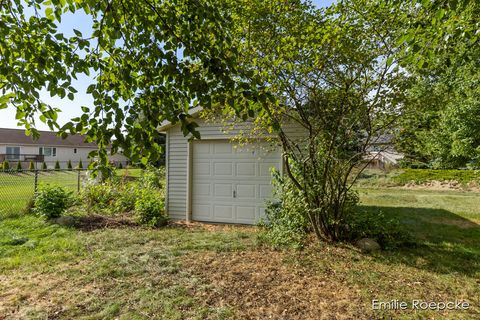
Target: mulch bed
94 222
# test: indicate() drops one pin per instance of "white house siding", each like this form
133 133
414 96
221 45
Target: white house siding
177 159
63 154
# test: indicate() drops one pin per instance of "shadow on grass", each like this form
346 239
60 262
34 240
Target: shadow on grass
446 242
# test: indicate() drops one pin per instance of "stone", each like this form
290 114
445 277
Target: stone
368 245
67 221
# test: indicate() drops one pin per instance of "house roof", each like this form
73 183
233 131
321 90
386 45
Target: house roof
47 138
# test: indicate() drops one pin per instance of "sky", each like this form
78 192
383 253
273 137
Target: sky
71 109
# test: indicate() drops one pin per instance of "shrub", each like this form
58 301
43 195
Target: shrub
31 166
125 201
44 166
110 197
99 196
120 166
52 201
6 165
388 232
19 166
150 208
57 165
152 177
80 164
285 224
69 165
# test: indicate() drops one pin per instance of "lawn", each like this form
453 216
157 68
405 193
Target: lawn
222 272
16 189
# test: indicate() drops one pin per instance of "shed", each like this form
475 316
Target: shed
215 179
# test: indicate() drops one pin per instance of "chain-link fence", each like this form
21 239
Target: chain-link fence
17 187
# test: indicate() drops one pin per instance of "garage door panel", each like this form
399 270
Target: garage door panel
223 212
201 149
223 190
265 169
223 169
265 191
246 191
246 169
202 211
202 168
222 148
246 213
202 189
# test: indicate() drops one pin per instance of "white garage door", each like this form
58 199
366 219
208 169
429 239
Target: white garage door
230 184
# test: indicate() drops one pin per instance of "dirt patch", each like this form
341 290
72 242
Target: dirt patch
260 285
211 226
443 185
94 222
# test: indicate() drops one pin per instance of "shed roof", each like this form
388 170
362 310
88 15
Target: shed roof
47 138
168 124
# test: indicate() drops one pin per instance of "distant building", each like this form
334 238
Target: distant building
49 148
382 154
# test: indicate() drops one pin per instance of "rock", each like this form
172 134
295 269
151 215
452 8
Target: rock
66 221
30 244
368 245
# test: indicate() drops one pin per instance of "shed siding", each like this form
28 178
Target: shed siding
177 160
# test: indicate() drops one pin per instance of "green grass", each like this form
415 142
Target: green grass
136 273
16 189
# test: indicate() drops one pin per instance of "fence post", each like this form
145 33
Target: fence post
78 181
36 181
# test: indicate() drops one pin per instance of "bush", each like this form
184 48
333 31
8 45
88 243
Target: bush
152 177
150 208
126 198
19 166
80 164
388 232
57 165
31 166
44 166
6 165
110 197
285 224
120 166
69 165
99 196
52 201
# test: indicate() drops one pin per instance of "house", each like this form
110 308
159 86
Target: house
215 179
382 154
49 148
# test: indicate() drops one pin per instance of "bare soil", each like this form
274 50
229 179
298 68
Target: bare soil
259 285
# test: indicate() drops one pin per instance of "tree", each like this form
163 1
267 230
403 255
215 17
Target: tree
69 165
44 166
19 166
333 74
6 165
31 166
152 60
80 164
440 125
57 165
